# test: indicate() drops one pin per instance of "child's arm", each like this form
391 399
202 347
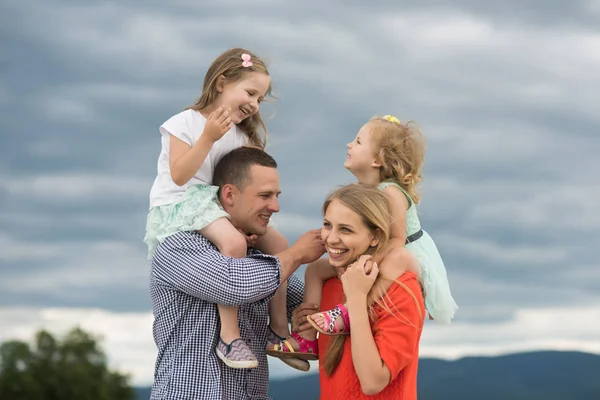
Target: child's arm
272 242
399 205
323 269
185 161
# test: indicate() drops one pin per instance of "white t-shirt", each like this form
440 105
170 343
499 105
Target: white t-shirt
187 126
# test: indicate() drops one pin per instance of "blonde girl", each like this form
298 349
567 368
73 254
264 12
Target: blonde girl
389 155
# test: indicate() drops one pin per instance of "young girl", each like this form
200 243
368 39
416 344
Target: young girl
388 154
183 198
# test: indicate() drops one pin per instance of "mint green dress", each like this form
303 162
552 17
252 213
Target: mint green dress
438 298
198 208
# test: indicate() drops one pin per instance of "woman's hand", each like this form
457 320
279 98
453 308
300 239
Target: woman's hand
358 279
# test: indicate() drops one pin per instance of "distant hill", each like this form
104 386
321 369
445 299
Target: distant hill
547 375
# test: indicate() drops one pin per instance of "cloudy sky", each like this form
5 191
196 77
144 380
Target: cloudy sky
504 91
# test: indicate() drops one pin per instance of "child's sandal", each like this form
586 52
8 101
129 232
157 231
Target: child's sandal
309 349
296 363
331 317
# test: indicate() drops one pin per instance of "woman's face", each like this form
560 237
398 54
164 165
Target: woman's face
345 235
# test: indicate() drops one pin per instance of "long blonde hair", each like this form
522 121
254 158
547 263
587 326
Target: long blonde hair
373 207
229 65
400 148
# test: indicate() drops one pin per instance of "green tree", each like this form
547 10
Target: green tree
74 368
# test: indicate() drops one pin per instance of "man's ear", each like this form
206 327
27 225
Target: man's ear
228 194
220 83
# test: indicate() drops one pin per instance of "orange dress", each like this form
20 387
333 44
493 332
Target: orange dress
397 342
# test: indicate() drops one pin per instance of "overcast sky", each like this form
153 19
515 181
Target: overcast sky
504 92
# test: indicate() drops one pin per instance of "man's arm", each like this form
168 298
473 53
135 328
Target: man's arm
193 266
308 248
295 294
201 271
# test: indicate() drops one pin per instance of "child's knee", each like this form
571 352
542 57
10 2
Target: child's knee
235 246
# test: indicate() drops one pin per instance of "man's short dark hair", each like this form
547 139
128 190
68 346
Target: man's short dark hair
234 167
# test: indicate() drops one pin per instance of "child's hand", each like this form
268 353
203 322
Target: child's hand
360 277
218 123
250 239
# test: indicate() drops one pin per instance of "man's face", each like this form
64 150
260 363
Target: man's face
252 207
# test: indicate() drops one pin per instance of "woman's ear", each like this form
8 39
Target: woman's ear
375 238
220 83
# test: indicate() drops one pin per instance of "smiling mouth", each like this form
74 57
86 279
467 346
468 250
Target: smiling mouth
264 217
245 112
336 252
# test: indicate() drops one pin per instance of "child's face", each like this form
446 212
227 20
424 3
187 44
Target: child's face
243 97
360 152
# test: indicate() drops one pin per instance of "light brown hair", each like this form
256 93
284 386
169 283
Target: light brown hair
400 148
372 205
229 65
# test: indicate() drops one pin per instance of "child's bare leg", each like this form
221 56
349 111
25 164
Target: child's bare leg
231 243
380 286
316 274
391 267
272 243
278 320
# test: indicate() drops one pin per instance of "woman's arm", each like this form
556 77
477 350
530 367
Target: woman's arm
379 357
372 372
272 242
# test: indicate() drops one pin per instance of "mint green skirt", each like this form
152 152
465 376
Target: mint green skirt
438 297
199 208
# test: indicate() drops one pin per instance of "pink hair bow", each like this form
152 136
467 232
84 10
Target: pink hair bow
246 60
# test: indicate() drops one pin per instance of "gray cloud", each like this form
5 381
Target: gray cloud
503 91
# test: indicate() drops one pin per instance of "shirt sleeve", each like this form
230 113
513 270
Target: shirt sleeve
179 125
295 294
397 334
201 271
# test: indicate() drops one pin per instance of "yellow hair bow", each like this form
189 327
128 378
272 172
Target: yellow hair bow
393 119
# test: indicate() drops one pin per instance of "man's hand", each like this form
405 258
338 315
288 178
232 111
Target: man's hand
299 321
309 246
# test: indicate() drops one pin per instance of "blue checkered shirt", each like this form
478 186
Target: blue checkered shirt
189 277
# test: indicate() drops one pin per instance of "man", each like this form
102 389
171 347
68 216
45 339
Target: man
189 277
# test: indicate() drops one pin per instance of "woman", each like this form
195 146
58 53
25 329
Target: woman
379 359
